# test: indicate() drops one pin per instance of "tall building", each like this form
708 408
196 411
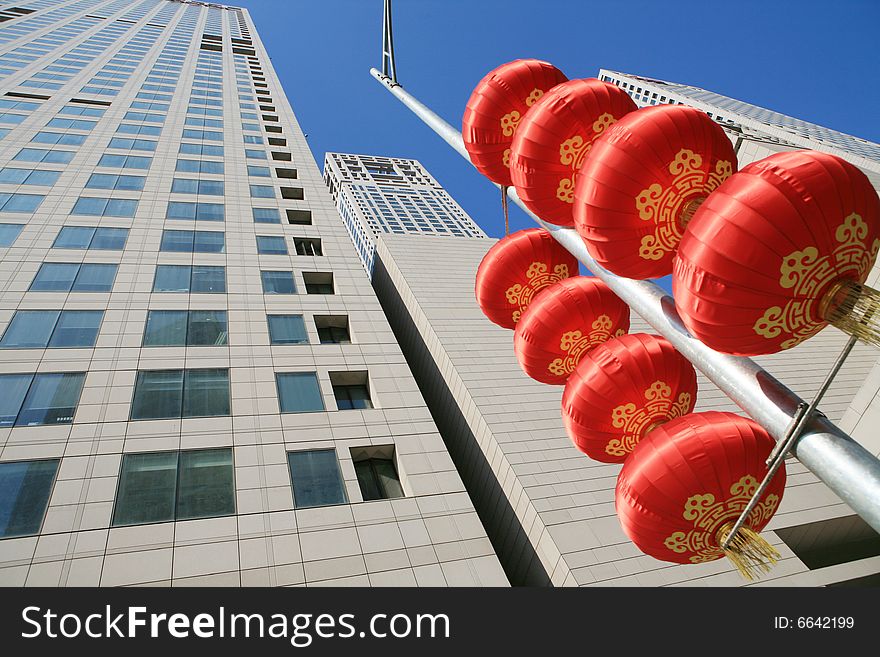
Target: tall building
376 195
548 509
197 382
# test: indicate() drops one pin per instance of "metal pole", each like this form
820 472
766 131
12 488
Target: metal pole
846 467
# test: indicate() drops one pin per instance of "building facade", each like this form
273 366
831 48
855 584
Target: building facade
548 509
198 383
376 195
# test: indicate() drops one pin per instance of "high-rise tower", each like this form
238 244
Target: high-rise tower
197 382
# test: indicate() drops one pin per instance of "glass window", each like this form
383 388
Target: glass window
55 277
262 191
333 329
132 144
191 186
206 393
74 237
287 329
20 202
44 155
378 479
115 181
25 487
166 328
267 216
270 245
28 176
251 154
195 211
186 278
352 396
208 280
164 486
260 172
104 207
94 278
58 138
29 329
125 161
316 478
278 282
9 233
51 399
158 394
318 282
109 239
206 487
207 328
76 328
298 392
201 149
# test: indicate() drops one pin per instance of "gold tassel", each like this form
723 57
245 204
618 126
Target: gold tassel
688 209
750 553
853 308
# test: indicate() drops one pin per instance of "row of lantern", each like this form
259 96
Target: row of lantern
628 398
761 260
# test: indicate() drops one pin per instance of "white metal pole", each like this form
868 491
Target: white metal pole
845 466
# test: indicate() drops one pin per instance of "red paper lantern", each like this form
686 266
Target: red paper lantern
496 107
563 323
515 269
686 483
642 183
555 137
623 389
779 251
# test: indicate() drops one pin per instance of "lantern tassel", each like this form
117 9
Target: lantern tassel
506 211
854 309
751 554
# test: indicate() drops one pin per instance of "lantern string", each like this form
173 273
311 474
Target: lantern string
854 309
504 206
748 551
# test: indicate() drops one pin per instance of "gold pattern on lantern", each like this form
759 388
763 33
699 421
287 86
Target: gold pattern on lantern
708 515
509 122
505 158
670 207
572 153
539 276
634 420
807 275
534 96
576 343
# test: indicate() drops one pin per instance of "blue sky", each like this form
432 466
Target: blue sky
814 60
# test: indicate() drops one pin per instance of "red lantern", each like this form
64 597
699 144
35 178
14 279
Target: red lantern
496 107
555 137
563 323
515 269
686 483
779 251
642 183
623 389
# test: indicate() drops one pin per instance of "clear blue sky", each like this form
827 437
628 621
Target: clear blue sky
814 60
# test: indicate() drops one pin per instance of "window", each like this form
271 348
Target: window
35 399
298 392
307 246
351 389
192 241
201 149
14 176
259 172
318 282
270 245
132 129
196 279
125 161
278 282
316 478
73 277
192 186
262 191
194 328
104 207
25 487
165 394
251 154
292 193
9 233
299 217
167 486
195 211
128 144
333 329
286 329
144 116
285 173
266 216
58 138
376 473
38 329
199 166
44 155
20 202
206 135
203 122
88 237
72 124
114 181
253 139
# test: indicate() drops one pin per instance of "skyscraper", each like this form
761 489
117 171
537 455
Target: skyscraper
376 195
548 509
197 382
